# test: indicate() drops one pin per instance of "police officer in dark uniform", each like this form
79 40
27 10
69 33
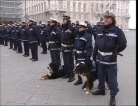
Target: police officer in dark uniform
25 39
33 40
9 31
67 42
5 35
18 38
110 41
13 37
0 34
43 37
54 39
83 47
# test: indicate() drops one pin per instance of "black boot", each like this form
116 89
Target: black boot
99 92
78 82
71 79
66 76
112 101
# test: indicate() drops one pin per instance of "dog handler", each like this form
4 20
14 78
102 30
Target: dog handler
110 41
83 47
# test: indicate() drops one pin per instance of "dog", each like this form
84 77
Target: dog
85 70
54 72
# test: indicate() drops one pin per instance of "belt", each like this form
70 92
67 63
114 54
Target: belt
66 45
105 53
53 41
79 52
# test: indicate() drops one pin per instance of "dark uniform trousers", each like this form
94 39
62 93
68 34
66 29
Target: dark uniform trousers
11 43
15 44
34 50
26 48
68 63
1 40
5 41
44 46
111 71
19 45
55 56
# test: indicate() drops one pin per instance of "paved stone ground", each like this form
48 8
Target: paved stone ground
20 83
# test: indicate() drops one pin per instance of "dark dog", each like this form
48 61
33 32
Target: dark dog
54 72
85 70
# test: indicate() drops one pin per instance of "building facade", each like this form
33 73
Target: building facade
79 10
10 10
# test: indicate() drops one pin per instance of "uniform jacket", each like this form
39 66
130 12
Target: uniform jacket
83 43
107 40
32 33
17 34
54 38
68 36
43 34
24 33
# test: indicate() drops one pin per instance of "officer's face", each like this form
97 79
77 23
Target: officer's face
108 20
65 20
30 22
52 23
81 28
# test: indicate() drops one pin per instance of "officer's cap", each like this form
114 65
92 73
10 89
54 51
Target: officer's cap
13 25
65 15
42 23
82 24
109 13
31 20
53 19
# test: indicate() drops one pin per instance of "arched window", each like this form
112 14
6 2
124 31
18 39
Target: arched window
96 7
92 7
74 6
45 6
60 3
79 7
68 5
84 7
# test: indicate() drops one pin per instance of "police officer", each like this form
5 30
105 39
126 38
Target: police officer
43 37
109 42
0 34
13 37
25 39
67 42
89 28
54 41
4 35
9 31
33 40
83 47
18 38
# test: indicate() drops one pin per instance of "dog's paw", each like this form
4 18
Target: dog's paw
40 77
84 89
87 93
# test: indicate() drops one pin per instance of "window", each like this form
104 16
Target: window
74 4
84 7
68 6
92 6
41 6
79 16
79 7
96 7
44 5
60 3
